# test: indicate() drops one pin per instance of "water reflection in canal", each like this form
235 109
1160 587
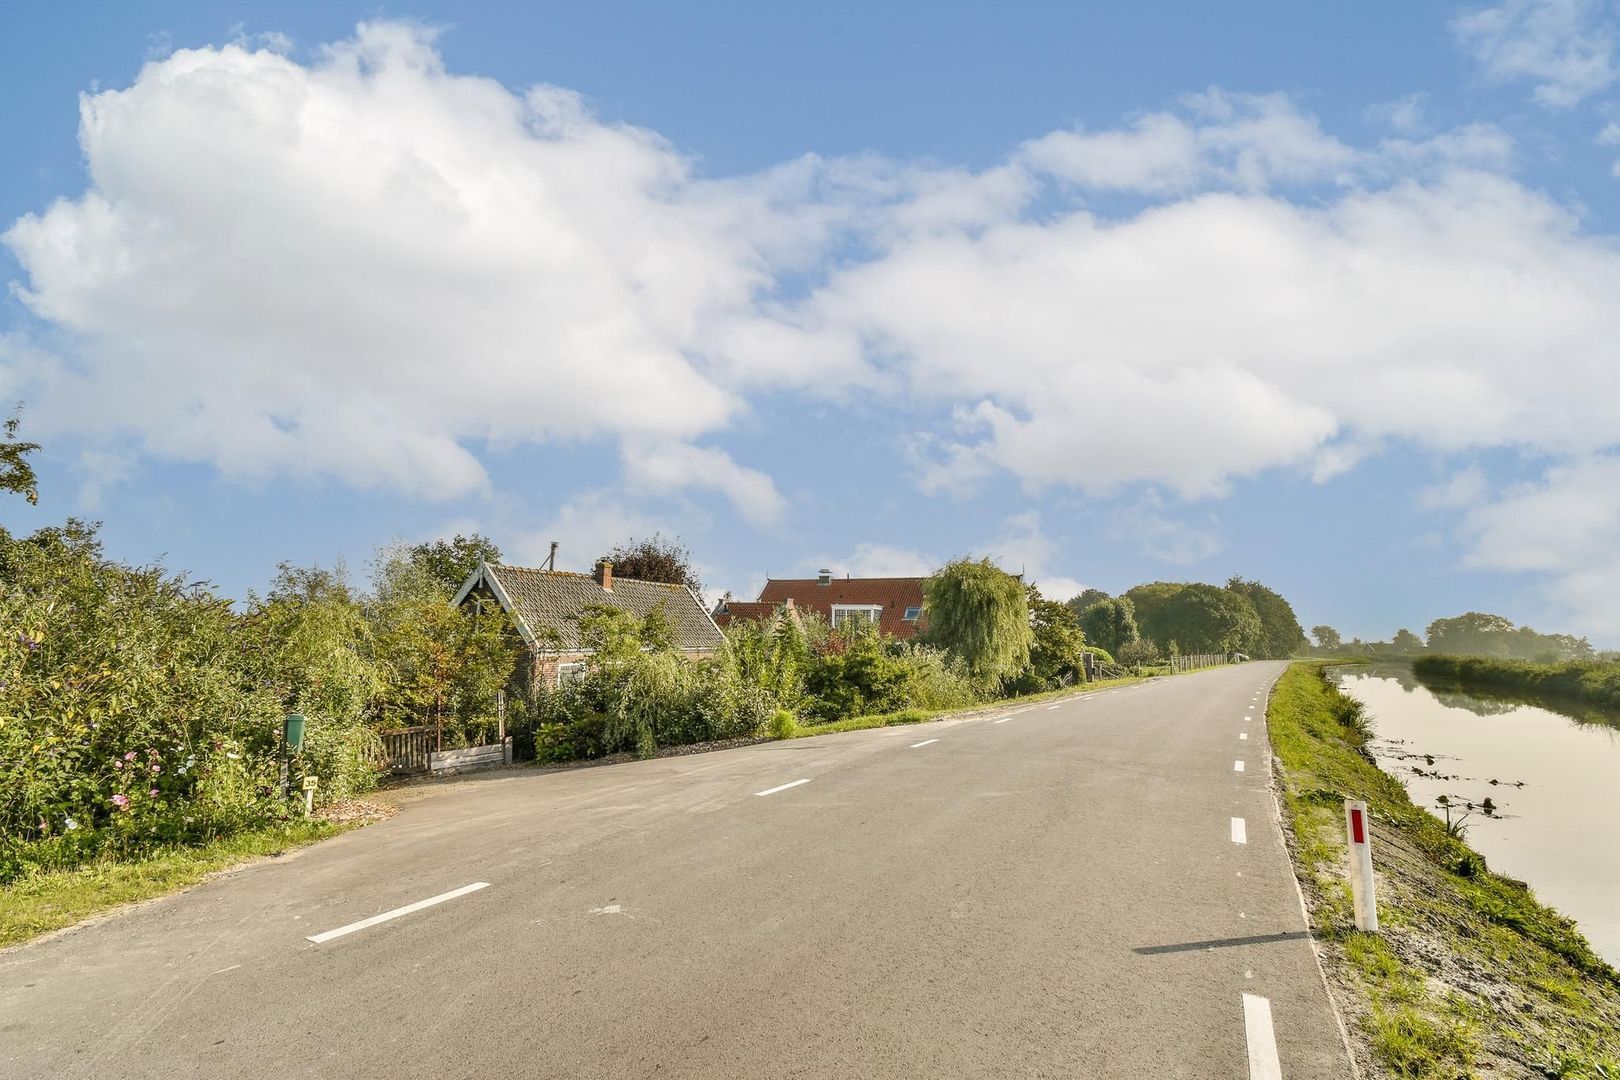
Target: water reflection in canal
1560 831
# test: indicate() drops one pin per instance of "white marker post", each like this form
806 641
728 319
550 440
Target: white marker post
1358 826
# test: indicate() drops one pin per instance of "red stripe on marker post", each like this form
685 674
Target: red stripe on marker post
1358 831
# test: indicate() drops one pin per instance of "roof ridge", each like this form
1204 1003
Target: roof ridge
588 577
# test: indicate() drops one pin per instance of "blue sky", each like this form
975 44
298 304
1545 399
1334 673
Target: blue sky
1113 295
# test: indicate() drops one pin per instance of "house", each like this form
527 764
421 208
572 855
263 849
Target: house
546 606
894 604
728 611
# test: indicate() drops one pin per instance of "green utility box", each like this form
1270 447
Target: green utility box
292 731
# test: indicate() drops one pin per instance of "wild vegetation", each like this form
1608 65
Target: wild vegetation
1469 974
1595 683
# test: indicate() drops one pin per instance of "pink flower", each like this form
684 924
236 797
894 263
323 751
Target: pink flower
121 801
153 793
117 764
157 769
130 756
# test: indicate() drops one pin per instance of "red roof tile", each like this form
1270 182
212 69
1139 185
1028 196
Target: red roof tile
894 595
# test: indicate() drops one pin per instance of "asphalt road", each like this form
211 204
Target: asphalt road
1057 894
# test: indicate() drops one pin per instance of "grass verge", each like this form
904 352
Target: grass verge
919 716
1469 975
51 900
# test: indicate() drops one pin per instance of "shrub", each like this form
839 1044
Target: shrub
783 725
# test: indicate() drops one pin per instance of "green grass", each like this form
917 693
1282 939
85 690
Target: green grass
1440 888
918 716
53 899
1592 687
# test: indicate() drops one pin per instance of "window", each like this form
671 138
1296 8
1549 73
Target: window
856 613
570 672
913 614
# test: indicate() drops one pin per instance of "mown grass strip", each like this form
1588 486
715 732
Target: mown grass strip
51 900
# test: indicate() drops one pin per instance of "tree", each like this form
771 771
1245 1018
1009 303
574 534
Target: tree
1326 637
1406 641
979 613
452 562
1056 642
1196 618
1474 633
656 559
1110 624
439 662
1086 599
16 472
1280 632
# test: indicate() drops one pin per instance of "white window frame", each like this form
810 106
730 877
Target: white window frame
874 612
570 671
909 617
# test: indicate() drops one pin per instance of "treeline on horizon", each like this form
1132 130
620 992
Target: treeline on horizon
140 709
1474 633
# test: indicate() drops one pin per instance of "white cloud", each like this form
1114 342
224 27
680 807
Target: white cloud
662 468
882 560
1566 47
585 527
1461 490
1407 115
1022 547
1157 533
1247 141
368 268
1565 529
363 267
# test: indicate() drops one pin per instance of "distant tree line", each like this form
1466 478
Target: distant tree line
1474 633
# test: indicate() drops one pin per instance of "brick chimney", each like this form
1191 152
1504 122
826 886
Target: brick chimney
604 574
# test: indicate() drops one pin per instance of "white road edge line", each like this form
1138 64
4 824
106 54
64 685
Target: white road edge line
1049 708
397 912
1003 720
1262 1039
925 742
782 787
1237 766
1240 831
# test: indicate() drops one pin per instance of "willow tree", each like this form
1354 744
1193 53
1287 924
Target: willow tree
979 614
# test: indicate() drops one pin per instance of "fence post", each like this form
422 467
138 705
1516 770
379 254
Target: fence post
1359 827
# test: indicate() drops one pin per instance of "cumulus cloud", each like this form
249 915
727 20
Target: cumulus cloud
1565 530
1566 47
367 266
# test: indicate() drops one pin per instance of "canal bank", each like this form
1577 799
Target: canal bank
1469 974
1534 787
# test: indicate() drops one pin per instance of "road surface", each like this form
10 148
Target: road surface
1084 889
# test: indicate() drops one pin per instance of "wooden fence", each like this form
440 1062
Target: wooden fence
408 750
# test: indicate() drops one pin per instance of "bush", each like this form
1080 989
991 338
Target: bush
1139 653
783 725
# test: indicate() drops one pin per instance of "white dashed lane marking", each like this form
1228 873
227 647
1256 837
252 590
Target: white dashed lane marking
1261 1037
782 787
397 912
1240 831
925 742
1243 735
1237 766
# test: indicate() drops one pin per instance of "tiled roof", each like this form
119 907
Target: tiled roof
743 609
555 599
894 595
